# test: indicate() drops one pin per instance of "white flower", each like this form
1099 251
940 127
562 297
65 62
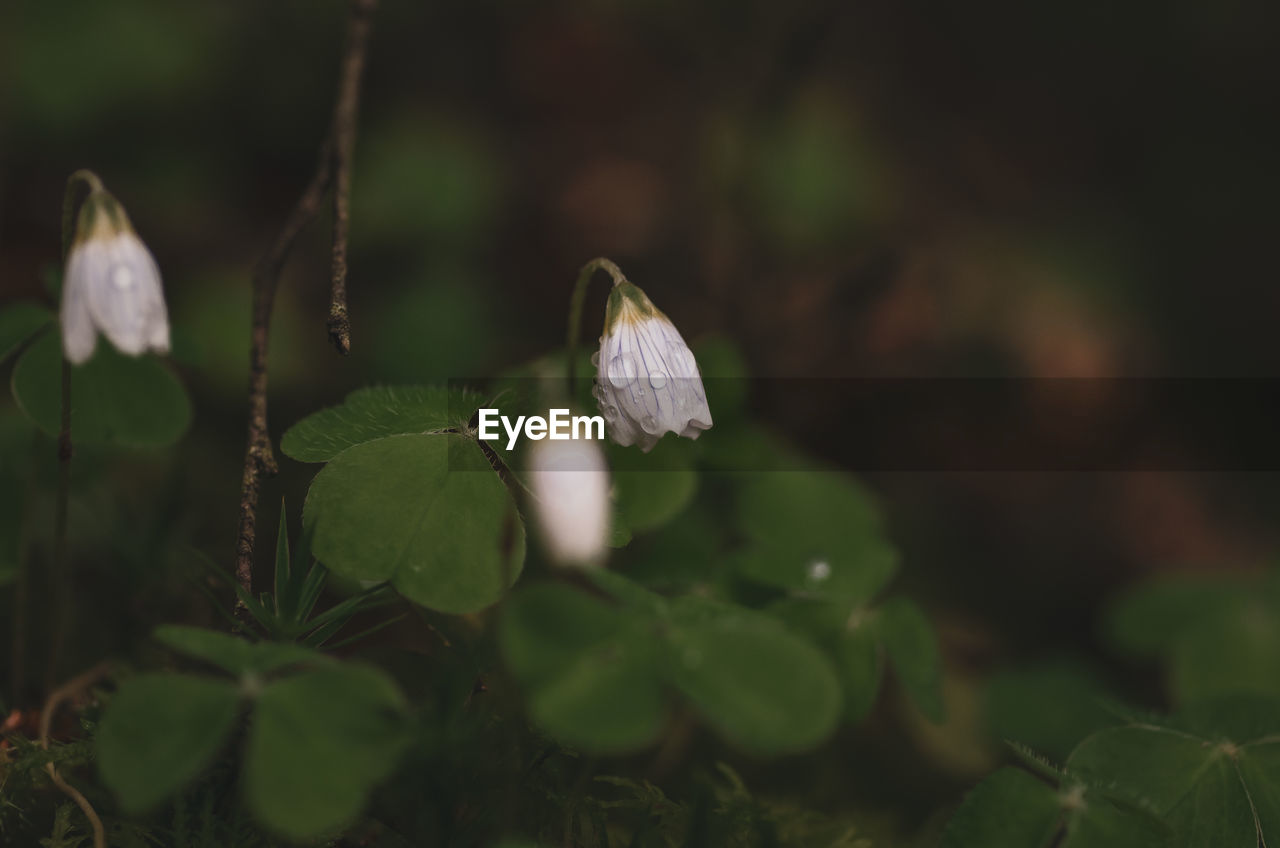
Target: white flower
570 484
111 285
647 382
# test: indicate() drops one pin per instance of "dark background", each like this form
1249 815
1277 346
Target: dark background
844 189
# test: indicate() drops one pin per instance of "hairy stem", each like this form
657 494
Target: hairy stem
334 161
576 303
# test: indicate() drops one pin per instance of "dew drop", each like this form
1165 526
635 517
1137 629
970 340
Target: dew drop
649 424
657 379
122 277
819 570
622 370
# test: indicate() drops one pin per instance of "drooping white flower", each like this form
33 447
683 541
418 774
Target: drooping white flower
647 381
570 484
111 285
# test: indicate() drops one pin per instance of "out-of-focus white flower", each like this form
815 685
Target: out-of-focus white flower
111 285
647 382
570 484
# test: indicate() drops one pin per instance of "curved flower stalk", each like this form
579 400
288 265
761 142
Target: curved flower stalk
647 381
111 284
570 485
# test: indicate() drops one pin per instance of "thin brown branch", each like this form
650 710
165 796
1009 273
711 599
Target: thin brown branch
345 116
335 154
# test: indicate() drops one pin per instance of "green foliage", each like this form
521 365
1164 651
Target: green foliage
723 813
1217 637
597 674
908 640
426 513
233 654
374 413
815 533
756 682
18 323
285 614
250 741
162 731
816 536
409 497
118 400
1050 706
1015 809
318 742
319 738
652 489
1212 770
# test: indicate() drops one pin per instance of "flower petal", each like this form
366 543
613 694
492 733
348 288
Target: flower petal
570 484
79 337
125 295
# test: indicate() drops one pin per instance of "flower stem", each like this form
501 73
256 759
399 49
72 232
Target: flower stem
59 572
576 304
90 179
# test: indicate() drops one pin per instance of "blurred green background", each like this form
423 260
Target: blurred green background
843 189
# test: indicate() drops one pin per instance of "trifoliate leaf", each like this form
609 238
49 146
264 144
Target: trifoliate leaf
426 513
815 533
1015 809
762 687
911 646
376 412
595 673
233 654
115 399
160 731
318 743
1212 788
652 488
859 661
588 666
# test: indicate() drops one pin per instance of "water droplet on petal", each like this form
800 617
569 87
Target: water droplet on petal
622 370
649 424
657 379
122 277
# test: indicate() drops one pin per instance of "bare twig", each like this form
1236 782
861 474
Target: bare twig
334 162
345 114
62 693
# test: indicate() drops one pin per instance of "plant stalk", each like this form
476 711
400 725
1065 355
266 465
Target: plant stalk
576 303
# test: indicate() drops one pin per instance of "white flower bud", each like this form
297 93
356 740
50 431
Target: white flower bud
570 484
111 285
647 382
